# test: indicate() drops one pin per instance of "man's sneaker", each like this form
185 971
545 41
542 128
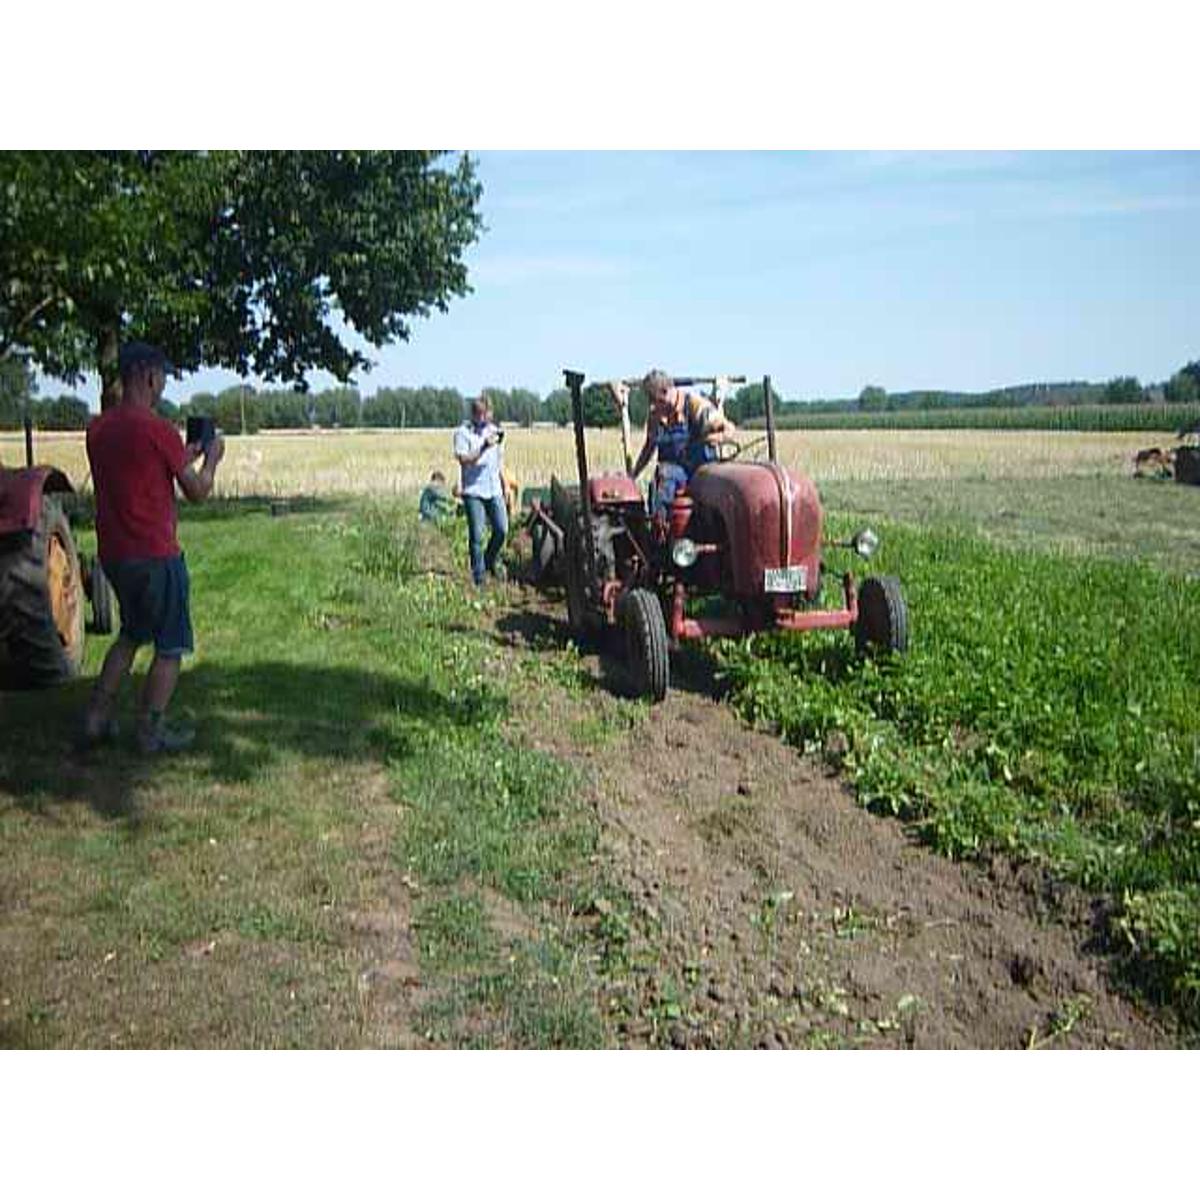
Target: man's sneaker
155 736
499 572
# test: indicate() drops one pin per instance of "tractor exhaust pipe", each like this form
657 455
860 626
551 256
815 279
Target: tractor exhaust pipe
574 380
770 411
28 440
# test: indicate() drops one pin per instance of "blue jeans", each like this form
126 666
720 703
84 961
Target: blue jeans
493 512
669 477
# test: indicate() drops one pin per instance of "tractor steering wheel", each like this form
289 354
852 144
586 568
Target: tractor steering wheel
728 449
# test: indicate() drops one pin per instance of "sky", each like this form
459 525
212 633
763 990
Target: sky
827 270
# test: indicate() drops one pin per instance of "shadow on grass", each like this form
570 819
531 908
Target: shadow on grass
82 508
534 629
247 717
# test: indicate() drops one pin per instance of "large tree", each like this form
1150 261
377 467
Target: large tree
239 259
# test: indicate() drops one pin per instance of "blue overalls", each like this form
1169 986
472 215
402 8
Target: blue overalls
681 450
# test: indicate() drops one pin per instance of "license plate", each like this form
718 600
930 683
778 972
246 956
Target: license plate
783 579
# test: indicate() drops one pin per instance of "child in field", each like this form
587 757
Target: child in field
512 492
436 504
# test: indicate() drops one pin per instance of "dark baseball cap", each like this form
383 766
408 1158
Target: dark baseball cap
142 354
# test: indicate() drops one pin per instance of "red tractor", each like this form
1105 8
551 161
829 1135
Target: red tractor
43 580
745 534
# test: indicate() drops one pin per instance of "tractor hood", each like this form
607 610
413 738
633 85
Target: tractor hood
771 518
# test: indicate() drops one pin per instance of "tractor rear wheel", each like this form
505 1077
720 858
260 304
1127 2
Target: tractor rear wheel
646 643
882 623
102 596
41 602
584 621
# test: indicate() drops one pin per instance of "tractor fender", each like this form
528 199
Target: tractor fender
21 494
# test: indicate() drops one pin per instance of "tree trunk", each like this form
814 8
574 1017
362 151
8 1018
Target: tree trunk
108 351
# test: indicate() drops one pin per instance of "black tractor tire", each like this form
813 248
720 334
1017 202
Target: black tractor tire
35 651
882 624
646 647
103 598
544 552
583 619
1187 464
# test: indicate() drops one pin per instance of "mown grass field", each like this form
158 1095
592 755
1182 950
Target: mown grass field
354 817
358 783
397 463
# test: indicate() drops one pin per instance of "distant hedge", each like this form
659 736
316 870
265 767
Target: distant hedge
1090 418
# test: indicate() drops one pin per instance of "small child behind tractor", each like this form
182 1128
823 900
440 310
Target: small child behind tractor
436 503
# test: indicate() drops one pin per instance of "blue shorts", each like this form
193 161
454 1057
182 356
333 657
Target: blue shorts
153 595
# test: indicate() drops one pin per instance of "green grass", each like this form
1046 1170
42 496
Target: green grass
352 734
1046 710
1148 520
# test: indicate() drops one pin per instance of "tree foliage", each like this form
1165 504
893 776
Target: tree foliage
241 259
17 389
872 398
557 407
1184 386
749 402
1125 389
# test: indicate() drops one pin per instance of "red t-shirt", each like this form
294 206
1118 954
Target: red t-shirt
135 456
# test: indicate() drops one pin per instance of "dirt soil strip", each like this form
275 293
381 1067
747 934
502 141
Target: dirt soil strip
777 912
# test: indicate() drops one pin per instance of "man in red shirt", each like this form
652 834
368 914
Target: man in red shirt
137 457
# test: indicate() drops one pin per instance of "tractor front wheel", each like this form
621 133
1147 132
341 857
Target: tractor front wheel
41 602
882 623
646 643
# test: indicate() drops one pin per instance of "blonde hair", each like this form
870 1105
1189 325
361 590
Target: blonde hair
654 380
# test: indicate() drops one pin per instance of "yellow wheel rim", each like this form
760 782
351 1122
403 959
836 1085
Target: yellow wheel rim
64 593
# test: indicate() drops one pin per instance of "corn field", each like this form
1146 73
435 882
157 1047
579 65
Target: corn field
1095 418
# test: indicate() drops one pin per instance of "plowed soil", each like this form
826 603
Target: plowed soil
771 910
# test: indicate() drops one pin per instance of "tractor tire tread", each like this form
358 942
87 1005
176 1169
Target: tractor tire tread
882 623
646 644
36 656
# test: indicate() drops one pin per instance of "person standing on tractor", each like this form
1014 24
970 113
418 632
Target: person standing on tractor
136 459
477 448
682 427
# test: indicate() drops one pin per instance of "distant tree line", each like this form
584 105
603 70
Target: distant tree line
1182 388
244 409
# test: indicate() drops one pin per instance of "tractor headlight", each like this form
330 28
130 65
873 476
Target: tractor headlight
865 543
683 552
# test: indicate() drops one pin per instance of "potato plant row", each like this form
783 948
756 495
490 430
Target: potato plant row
1047 711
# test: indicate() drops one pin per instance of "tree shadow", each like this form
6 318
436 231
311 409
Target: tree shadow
81 508
247 718
229 508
